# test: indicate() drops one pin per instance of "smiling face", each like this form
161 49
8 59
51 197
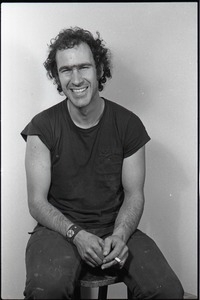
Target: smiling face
77 75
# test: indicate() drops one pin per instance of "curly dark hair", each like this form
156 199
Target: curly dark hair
68 38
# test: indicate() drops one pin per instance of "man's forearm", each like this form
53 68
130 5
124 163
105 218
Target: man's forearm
49 216
129 216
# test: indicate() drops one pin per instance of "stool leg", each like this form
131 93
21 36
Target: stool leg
77 293
129 294
102 295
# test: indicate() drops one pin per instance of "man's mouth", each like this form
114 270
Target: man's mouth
78 91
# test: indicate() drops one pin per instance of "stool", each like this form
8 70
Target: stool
94 278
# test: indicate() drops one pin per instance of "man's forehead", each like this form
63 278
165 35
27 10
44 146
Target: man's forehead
78 52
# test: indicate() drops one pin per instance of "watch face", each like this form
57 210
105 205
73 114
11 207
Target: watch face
70 233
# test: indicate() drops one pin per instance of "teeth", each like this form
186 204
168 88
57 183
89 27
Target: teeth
78 91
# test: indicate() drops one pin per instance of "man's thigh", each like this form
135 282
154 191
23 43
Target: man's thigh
146 268
51 261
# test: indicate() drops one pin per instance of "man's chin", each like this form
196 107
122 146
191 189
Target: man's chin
80 102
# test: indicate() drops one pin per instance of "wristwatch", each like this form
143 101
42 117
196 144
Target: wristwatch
72 232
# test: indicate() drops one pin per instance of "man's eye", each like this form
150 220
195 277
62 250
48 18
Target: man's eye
66 71
84 67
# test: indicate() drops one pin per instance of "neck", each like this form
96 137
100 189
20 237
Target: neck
87 116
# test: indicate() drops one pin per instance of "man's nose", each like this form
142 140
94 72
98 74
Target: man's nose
76 77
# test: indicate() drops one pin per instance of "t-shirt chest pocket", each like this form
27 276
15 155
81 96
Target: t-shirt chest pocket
109 161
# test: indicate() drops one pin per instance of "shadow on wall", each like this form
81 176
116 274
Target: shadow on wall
129 88
165 182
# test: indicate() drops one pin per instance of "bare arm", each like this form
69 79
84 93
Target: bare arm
133 176
38 172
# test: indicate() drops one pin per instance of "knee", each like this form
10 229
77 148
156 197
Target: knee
46 289
172 290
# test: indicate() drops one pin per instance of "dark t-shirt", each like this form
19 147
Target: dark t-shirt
86 164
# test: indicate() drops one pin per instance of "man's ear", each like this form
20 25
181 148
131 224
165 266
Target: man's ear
57 80
99 72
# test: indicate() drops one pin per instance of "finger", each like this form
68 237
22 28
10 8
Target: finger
120 262
107 246
98 259
95 255
122 258
101 243
116 258
99 252
90 264
115 252
114 263
90 260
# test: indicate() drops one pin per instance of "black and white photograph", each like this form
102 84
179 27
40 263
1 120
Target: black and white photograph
99 150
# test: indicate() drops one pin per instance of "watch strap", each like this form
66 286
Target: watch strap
72 232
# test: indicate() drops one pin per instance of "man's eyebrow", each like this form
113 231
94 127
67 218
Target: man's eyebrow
70 67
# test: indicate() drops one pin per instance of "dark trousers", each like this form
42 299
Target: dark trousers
53 266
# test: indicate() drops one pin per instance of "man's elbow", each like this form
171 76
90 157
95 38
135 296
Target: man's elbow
34 206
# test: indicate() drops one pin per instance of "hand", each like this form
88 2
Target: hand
90 248
114 247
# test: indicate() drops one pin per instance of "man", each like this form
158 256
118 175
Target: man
85 164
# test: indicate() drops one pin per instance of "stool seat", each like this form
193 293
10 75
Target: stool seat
92 280
97 278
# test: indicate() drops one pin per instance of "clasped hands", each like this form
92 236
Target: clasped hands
98 252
